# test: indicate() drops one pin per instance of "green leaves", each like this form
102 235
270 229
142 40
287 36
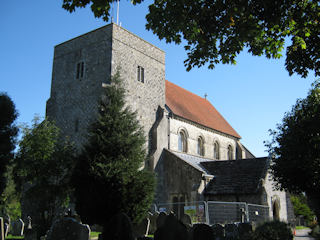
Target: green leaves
110 163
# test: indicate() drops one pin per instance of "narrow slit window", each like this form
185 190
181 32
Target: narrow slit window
140 74
80 70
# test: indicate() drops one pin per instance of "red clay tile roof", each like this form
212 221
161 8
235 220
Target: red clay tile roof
197 109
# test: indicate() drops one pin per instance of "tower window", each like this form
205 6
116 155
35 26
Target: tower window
76 125
140 74
80 70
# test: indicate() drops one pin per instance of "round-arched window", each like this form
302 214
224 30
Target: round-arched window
182 141
216 150
200 148
230 152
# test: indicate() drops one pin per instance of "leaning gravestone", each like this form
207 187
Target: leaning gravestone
201 231
7 223
68 229
218 231
6 229
1 229
231 231
17 228
186 220
142 229
172 229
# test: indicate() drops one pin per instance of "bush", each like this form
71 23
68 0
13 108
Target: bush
315 232
274 230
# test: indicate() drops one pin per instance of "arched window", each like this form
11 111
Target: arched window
230 152
182 141
200 148
216 150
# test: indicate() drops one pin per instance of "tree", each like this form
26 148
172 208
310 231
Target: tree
217 31
108 178
42 169
301 208
8 134
295 149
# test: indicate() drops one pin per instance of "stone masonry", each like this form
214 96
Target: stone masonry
74 99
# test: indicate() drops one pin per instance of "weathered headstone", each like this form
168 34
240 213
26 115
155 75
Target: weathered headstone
68 229
201 231
7 224
1 229
153 222
218 231
186 220
231 231
142 229
119 228
160 219
172 229
17 227
245 230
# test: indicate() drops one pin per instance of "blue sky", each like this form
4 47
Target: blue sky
252 95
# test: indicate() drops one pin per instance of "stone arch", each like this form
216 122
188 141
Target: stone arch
230 152
200 145
216 149
275 207
183 140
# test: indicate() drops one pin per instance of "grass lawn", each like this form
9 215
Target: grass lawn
14 237
94 234
301 227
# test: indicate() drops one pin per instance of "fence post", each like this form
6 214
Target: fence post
247 212
207 212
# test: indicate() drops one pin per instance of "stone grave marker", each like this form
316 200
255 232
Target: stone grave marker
6 229
7 223
68 229
142 229
218 231
172 229
186 220
17 227
201 231
231 231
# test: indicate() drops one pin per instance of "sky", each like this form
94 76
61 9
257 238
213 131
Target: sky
252 95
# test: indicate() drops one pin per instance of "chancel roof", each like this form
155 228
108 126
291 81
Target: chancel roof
196 109
241 176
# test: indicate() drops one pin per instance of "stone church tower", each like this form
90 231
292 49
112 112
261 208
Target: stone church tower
83 65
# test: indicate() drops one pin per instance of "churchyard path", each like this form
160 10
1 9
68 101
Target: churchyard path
303 234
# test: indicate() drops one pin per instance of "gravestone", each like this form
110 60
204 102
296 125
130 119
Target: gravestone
245 230
17 228
119 228
68 229
218 231
201 231
160 219
142 229
153 222
1 229
172 229
231 231
29 233
186 220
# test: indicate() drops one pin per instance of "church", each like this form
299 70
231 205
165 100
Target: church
195 153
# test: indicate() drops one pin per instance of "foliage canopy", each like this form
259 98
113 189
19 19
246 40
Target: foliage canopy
217 31
295 148
108 178
8 134
42 169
